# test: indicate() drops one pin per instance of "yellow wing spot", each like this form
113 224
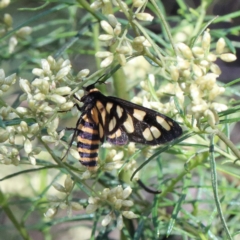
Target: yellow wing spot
147 134
100 130
163 123
115 135
100 106
119 111
139 114
170 123
128 124
112 124
103 116
155 132
109 107
95 115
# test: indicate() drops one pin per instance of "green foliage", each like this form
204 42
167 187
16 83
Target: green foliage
48 53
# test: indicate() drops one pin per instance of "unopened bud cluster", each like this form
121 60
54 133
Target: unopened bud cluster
196 74
193 74
45 95
114 36
6 82
7 26
116 198
62 202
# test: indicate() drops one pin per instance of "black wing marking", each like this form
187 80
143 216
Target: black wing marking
146 126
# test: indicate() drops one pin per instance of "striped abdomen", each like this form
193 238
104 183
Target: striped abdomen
88 141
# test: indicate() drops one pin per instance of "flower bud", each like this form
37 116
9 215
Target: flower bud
103 54
118 203
68 183
63 72
48 139
3 135
198 52
127 203
24 31
117 30
118 156
105 37
83 73
105 193
67 106
12 44
62 90
4 3
107 27
96 5
112 20
129 214
10 79
138 3
7 18
206 40
228 57
106 62
215 69
24 126
5 87
121 59
59 187
27 146
126 192
91 208
76 206
50 212
107 219
32 160
185 50
197 70
86 175
144 17
57 98
2 76
119 222
38 72
220 45
24 85
74 153
39 96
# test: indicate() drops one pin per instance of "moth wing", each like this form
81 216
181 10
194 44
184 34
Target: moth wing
118 138
143 125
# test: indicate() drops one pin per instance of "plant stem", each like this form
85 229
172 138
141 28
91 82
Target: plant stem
21 229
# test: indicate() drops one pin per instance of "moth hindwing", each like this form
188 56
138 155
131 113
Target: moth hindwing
118 121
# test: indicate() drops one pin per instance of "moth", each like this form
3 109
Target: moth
118 121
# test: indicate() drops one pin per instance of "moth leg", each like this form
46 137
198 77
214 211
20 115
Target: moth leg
73 137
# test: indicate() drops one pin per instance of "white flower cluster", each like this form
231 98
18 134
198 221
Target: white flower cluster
116 198
115 36
6 82
22 33
197 75
193 76
63 202
45 95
